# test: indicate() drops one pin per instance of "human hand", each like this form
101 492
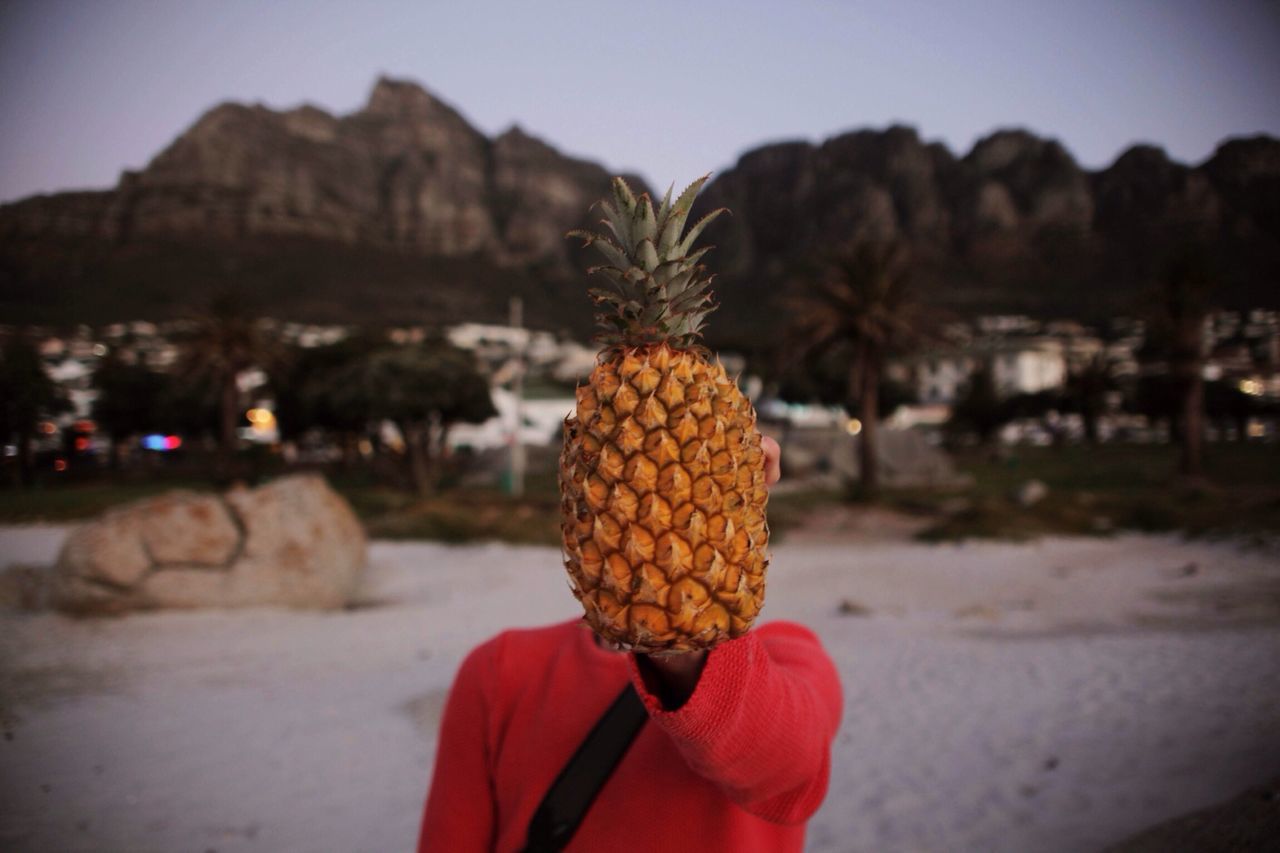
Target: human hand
772 460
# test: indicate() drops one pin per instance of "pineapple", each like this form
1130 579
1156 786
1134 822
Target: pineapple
662 476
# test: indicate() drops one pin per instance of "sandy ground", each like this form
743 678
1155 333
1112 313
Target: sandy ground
1054 696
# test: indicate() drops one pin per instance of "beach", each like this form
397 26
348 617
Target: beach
1056 695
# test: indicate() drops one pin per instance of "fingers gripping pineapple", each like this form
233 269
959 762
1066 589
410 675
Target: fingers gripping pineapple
662 476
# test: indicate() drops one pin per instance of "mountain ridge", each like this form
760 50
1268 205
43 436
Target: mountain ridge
415 206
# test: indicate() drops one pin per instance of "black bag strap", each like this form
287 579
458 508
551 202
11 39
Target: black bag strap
562 809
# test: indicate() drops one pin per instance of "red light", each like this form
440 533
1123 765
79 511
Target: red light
172 442
85 425
81 443
59 464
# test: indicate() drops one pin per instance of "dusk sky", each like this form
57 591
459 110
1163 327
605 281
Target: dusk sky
666 89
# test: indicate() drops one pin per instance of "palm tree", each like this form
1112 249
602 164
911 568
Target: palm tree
225 341
860 298
1179 306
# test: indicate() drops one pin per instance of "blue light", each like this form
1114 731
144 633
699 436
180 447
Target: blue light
154 442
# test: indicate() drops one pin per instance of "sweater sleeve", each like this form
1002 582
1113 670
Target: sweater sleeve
460 813
760 721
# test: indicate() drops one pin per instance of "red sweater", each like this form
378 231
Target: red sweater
739 767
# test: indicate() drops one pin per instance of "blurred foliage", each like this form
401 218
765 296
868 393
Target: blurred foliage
1177 307
823 377
75 500
130 399
860 300
303 386
979 407
1091 491
223 341
423 390
28 395
1098 490
1086 391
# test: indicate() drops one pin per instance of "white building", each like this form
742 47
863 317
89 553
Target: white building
939 377
496 346
540 423
75 376
1019 365
1028 366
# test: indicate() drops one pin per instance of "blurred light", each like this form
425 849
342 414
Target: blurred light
260 417
81 443
853 427
365 447
85 425
1256 429
1251 386
48 427
161 442
59 464
99 350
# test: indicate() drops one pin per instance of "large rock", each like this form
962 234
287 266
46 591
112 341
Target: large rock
292 542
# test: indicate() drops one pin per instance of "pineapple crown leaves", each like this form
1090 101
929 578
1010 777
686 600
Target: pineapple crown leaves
660 292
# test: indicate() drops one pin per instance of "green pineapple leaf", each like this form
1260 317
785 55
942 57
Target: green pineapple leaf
619 223
665 208
644 225
684 204
702 223
612 252
622 194
647 255
615 276
658 291
670 235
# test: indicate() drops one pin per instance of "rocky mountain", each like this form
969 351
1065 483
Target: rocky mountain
401 211
1014 225
404 212
406 172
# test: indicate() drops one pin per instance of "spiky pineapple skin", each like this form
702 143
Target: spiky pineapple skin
662 479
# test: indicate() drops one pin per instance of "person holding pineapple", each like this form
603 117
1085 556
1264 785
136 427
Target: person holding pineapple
720 738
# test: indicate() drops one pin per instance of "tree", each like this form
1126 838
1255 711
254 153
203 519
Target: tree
979 407
129 396
1178 307
27 395
824 378
224 342
1153 396
1087 389
304 386
861 299
423 390
1045 405
1225 402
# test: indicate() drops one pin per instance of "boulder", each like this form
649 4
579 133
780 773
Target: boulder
291 542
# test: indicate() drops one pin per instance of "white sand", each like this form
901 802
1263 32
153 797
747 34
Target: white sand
1051 696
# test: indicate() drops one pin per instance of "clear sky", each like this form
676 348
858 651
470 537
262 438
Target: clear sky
666 89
